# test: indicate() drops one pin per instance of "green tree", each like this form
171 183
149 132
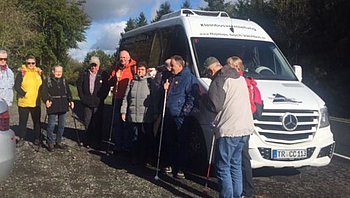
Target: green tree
130 25
141 20
186 4
219 5
314 34
215 5
71 71
259 11
164 8
16 32
60 25
105 59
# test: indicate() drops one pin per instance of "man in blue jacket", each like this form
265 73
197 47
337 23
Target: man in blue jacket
181 88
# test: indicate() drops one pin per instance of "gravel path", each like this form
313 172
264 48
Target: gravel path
80 172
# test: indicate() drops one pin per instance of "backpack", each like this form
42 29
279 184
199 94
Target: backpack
49 84
256 102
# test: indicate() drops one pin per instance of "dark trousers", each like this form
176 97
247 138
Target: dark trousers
122 138
142 141
175 144
248 187
35 113
93 117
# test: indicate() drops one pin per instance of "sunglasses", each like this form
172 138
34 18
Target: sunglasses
93 64
30 63
3 59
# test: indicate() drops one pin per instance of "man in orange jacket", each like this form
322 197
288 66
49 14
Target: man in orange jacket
120 77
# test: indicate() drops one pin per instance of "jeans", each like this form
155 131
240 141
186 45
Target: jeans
228 159
248 187
51 127
23 112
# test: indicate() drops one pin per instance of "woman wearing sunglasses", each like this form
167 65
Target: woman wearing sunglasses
27 85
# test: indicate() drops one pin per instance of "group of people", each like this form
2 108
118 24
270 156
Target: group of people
138 99
137 110
138 93
137 106
31 88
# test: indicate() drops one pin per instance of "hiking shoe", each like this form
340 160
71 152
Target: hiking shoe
180 175
50 147
60 146
167 170
36 142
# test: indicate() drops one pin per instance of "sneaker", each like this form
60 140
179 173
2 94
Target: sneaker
180 175
60 146
50 147
167 170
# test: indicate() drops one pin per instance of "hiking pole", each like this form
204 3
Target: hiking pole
161 134
75 127
109 142
205 191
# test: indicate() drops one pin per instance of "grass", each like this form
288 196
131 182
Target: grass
75 96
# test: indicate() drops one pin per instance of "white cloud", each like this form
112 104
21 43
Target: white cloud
80 52
106 9
107 35
109 20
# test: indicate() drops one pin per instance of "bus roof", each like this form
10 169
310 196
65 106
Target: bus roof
210 24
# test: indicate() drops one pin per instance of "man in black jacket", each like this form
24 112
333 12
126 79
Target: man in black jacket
92 90
57 98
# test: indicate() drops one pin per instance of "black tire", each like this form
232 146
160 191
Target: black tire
198 150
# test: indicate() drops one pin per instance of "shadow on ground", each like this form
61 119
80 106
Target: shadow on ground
168 182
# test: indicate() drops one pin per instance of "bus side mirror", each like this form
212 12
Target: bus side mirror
298 72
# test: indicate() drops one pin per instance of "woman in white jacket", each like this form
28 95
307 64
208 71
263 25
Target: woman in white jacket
7 79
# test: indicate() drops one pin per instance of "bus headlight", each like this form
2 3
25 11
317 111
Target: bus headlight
324 117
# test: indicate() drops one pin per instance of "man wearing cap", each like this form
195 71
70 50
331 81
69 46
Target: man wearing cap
92 91
233 124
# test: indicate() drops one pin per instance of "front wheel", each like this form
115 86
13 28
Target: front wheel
198 152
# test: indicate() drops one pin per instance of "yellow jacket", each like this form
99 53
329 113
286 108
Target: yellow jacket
30 85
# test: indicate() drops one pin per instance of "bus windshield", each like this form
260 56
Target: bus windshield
262 60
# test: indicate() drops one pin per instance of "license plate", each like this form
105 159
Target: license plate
289 154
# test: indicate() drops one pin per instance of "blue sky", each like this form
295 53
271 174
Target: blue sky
109 20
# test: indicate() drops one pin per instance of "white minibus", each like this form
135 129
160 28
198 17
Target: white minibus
293 130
